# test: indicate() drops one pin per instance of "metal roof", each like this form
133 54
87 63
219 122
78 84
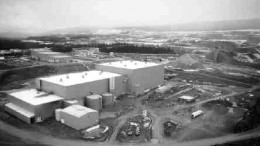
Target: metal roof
34 97
128 64
79 78
77 110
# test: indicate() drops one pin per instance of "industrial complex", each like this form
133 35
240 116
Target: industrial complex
143 87
76 98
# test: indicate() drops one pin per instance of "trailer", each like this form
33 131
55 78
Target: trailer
196 114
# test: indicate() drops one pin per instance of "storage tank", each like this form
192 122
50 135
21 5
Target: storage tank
94 102
57 114
107 99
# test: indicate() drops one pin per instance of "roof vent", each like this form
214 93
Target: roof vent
109 63
68 77
60 79
100 72
125 65
86 73
121 61
83 76
135 63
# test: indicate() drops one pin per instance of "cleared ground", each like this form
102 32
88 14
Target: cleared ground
210 89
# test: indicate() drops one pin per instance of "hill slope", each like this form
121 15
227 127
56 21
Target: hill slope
207 26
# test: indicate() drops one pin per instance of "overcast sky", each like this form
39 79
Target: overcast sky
52 14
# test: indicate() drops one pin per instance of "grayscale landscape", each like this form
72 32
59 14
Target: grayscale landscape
129 72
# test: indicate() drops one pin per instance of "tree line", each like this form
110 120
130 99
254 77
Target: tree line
115 47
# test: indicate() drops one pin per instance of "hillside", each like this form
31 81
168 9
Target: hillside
242 24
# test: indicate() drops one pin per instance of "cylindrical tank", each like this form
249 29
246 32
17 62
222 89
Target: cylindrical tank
107 99
94 102
57 114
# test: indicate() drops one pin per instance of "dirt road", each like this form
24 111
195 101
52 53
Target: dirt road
48 140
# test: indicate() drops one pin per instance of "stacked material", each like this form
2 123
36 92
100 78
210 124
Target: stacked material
187 61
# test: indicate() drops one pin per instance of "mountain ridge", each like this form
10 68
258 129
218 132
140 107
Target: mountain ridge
242 24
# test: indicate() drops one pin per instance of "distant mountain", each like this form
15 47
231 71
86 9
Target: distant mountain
201 26
73 30
206 26
198 26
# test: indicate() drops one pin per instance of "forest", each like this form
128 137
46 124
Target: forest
116 47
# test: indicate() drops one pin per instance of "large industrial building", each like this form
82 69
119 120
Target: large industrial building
45 54
140 75
79 85
33 106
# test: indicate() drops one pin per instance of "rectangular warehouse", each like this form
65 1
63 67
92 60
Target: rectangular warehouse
79 85
45 54
33 106
79 117
141 75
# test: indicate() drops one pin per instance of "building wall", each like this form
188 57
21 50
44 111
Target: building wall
19 115
47 110
120 85
51 87
139 79
146 78
79 91
123 71
22 104
85 121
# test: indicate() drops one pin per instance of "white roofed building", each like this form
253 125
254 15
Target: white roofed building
187 98
79 117
33 106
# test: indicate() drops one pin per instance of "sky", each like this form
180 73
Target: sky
45 15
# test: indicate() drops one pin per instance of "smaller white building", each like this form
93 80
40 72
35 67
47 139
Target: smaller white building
187 98
79 117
